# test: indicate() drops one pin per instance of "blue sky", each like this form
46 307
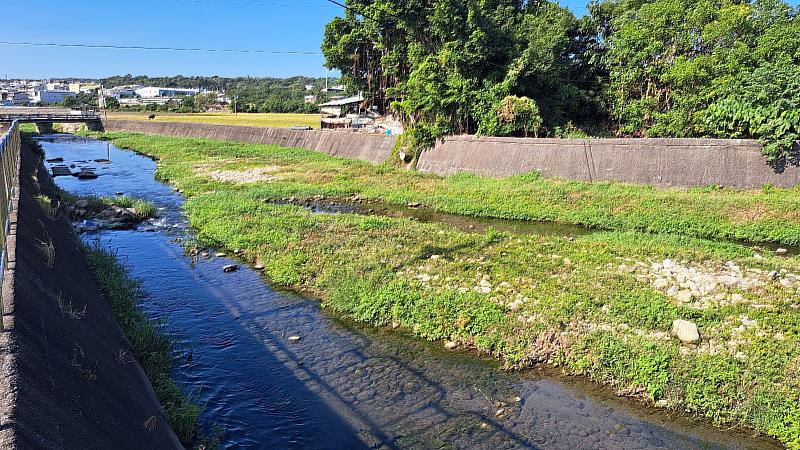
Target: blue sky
277 25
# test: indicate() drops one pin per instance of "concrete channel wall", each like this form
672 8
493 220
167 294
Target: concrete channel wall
374 148
657 162
68 379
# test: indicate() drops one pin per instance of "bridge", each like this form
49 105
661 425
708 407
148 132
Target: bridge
44 118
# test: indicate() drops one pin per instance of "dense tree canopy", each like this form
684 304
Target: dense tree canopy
630 67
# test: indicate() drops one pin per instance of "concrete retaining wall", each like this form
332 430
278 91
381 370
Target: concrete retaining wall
659 162
374 148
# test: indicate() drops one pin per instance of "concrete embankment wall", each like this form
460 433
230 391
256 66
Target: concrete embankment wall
68 380
658 162
374 148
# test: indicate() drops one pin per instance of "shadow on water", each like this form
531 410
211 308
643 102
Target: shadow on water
344 385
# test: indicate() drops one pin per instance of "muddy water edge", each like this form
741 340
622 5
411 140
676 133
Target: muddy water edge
273 370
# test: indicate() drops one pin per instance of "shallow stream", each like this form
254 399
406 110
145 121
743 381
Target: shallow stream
342 385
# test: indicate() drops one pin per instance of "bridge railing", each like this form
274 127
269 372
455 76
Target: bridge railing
42 117
10 145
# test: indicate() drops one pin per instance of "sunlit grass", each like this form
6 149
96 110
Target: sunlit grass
273 120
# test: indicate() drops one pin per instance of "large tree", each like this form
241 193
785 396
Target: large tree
445 66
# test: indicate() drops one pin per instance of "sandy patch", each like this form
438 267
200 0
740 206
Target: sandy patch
255 175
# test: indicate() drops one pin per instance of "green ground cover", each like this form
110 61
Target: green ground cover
600 305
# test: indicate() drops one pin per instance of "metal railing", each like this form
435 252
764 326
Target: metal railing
77 116
10 145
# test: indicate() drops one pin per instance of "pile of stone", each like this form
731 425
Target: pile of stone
87 218
711 285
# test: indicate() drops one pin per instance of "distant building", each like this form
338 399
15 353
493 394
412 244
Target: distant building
82 87
310 99
119 92
14 98
57 86
334 89
341 113
309 87
156 92
51 97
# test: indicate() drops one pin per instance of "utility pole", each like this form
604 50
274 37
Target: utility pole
235 109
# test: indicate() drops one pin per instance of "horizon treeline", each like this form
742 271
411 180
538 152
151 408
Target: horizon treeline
648 68
253 94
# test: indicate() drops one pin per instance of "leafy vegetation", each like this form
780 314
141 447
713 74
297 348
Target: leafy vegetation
149 345
669 68
588 304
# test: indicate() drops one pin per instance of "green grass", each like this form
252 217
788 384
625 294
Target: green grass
568 302
272 120
149 346
760 215
143 209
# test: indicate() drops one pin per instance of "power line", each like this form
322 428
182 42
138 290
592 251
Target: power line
284 5
175 49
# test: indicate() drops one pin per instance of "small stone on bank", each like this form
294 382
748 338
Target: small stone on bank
450 345
685 296
685 331
219 255
781 251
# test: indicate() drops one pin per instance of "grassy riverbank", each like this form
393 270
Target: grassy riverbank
601 305
149 346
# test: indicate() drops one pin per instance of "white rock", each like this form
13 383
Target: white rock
450 345
685 331
685 296
294 338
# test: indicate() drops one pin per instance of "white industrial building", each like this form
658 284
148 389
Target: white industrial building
156 92
48 97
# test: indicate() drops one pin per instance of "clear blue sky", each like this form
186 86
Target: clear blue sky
279 25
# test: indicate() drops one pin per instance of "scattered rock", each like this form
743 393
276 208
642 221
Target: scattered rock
294 338
450 345
258 267
685 331
219 255
685 296
662 404
413 205
781 252
500 412
82 204
230 268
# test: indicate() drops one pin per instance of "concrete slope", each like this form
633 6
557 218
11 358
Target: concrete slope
66 382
